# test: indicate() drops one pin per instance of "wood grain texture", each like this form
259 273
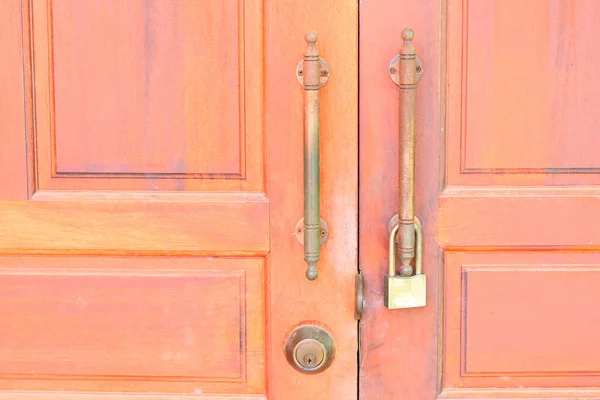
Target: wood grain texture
520 219
521 319
205 226
508 176
152 281
398 357
87 396
165 57
519 394
164 133
329 300
12 103
170 100
179 324
522 89
517 213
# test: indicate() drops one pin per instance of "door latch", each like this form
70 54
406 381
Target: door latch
360 300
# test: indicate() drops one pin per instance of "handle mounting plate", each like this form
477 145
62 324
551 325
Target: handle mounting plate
324 75
300 231
393 69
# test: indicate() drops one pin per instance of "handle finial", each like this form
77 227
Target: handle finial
407 49
311 37
408 34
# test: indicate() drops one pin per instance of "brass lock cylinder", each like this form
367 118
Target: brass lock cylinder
310 349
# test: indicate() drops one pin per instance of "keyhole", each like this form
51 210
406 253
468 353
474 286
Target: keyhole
309 359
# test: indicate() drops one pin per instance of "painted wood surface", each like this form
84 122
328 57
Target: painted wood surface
152 181
330 298
506 187
398 358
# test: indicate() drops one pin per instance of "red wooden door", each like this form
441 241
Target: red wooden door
151 181
507 184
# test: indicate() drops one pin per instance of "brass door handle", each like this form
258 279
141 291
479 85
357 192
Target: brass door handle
313 73
405 290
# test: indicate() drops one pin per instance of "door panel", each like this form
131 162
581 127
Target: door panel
174 315
171 95
526 318
12 152
331 297
171 55
127 159
145 223
398 349
153 177
506 189
523 114
521 176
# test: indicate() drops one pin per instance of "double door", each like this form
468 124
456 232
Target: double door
153 174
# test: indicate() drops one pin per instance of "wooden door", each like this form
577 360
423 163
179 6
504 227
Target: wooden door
507 186
151 181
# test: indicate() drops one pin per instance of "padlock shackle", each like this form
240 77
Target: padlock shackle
418 248
392 251
392 246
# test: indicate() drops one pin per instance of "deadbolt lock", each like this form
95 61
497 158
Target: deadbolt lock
310 349
309 354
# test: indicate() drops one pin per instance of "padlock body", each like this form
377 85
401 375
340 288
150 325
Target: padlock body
404 292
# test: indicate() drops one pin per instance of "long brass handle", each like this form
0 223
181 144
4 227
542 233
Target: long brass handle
405 290
313 73
407 77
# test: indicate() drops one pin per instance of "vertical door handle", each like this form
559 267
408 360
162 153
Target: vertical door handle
313 73
407 80
405 290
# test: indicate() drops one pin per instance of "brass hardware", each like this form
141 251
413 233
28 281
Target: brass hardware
406 153
393 68
314 73
310 349
324 73
300 231
404 291
360 301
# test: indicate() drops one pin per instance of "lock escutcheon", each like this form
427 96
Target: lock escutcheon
310 349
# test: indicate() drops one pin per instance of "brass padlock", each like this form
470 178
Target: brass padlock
401 291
